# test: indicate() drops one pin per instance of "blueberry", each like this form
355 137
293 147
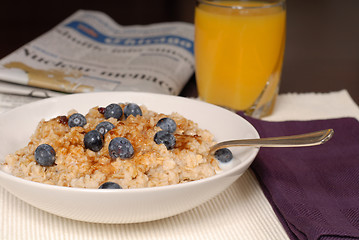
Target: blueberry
110 185
132 109
77 120
93 140
167 124
45 155
223 155
104 127
120 147
166 138
113 110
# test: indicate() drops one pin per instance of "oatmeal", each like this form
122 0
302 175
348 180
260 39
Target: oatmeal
122 145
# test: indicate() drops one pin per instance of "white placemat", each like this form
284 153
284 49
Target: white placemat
240 212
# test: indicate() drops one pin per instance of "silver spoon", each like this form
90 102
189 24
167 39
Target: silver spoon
302 140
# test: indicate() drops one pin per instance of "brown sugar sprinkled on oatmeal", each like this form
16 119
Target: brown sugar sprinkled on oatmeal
134 150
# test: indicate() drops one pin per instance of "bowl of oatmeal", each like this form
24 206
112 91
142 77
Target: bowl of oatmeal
119 157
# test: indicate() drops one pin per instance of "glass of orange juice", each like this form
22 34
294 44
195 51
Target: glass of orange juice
239 47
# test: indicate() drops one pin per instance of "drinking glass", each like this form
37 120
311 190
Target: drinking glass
239 48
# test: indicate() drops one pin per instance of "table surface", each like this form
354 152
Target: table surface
322 50
241 211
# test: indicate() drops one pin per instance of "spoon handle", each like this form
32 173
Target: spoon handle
302 140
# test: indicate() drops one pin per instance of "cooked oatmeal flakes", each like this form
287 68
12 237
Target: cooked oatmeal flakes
152 164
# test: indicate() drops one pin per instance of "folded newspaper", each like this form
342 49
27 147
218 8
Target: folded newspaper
90 52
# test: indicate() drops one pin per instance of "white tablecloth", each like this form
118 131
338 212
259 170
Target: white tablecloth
240 212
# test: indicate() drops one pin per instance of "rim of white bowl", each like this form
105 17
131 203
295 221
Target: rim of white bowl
227 172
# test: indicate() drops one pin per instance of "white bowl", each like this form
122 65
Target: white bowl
126 205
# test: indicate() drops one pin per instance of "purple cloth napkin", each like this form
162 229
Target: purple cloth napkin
314 191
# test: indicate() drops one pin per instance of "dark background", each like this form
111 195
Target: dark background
322 50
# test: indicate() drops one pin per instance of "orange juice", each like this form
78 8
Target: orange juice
239 52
